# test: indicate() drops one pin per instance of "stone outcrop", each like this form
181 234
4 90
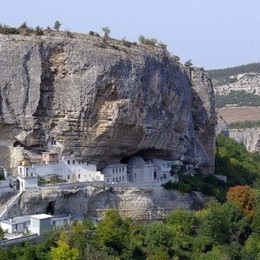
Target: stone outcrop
135 202
103 101
249 137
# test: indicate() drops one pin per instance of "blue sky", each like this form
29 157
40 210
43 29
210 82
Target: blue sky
213 33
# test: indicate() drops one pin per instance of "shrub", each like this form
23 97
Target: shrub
93 33
126 43
68 34
206 184
188 63
162 45
38 30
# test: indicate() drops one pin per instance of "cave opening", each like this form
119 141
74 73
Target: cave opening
148 154
50 208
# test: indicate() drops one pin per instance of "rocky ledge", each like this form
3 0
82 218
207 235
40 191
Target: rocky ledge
135 202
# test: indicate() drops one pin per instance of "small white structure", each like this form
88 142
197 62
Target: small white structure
26 177
139 170
40 224
54 144
16 224
115 173
162 168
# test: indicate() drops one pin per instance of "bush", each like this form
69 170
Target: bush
38 30
93 33
206 184
126 43
5 29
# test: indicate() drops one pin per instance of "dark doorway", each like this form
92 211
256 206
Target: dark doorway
50 208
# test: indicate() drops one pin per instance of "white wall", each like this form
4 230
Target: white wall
144 173
5 187
14 227
115 173
28 183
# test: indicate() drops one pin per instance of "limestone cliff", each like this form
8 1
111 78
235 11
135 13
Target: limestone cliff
135 202
103 101
249 137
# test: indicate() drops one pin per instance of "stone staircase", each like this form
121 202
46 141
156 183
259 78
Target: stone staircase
7 202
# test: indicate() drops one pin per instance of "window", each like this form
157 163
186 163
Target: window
135 175
107 179
73 161
113 179
79 176
68 177
26 171
120 178
113 170
68 161
123 178
20 170
119 169
116 179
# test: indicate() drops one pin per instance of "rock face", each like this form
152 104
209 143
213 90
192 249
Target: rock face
103 101
137 203
250 137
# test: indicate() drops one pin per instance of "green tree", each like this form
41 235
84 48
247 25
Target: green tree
111 233
158 238
188 63
106 31
223 223
63 250
57 26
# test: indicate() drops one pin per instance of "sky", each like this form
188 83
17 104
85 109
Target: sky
212 33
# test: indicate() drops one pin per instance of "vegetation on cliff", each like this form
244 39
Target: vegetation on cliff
232 160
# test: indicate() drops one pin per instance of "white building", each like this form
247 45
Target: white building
162 168
67 167
139 170
26 177
40 224
36 224
115 173
16 224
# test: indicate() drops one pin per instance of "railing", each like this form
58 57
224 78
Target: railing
9 242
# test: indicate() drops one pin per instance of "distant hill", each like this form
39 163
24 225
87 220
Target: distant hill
238 86
224 76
